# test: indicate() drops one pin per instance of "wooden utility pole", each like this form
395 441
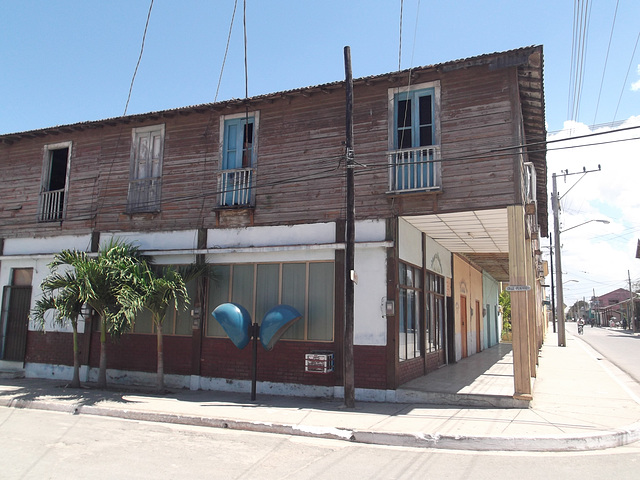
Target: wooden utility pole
349 381
632 320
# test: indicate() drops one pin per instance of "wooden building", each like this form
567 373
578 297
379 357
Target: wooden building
450 199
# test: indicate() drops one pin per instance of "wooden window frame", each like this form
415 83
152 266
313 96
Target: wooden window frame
154 191
53 204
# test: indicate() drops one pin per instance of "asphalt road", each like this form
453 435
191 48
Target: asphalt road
618 346
39 444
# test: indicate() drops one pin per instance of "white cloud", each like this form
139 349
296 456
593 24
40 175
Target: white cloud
597 255
636 85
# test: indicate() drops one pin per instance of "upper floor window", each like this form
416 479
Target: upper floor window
145 177
237 172
414 138
55 181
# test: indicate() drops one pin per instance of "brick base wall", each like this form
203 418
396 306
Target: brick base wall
219 358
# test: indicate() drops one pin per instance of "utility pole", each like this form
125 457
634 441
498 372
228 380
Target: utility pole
553 295
632 321
349 377
555 203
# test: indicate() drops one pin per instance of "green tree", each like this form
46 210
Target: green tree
60 293
157 289
98 281
505 305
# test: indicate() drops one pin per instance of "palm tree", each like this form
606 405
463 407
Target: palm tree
157 290
99 280
61 294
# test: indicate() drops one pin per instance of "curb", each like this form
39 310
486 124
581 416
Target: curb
559 443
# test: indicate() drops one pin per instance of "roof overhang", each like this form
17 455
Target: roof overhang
482 236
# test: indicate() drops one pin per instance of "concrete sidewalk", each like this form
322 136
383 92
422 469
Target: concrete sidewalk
581 402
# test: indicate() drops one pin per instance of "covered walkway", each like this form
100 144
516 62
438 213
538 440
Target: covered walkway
484 379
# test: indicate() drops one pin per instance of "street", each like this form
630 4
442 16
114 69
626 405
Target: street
618 346
39 444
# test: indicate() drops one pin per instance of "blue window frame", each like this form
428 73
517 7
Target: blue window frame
414 119
238 161
238 143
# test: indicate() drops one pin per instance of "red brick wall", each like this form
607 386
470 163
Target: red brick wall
220 358
52 347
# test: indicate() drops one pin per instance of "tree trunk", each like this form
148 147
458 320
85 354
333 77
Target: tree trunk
160 375
75 382
102 373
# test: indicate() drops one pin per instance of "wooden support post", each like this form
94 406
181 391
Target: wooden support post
519 302
531 309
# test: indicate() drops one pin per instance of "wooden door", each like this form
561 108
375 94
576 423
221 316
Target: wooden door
15 316
478 327
463 325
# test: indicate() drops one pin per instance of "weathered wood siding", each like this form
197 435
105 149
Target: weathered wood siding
300 171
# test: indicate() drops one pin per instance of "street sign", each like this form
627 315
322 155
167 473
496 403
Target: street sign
518 288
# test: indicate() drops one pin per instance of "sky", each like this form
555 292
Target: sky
69 61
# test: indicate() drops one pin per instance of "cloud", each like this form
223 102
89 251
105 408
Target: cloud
635 86
597 255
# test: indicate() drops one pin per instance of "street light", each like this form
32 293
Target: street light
584 223
562 338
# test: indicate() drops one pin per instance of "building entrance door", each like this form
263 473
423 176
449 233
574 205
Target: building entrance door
463 325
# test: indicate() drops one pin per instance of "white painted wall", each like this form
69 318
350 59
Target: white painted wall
178 240
409 243
308 234
438 258
32 246
370 324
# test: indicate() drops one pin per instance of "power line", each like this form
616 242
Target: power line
226 50
604 69
627 75
135 72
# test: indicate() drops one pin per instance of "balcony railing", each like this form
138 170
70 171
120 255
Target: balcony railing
415 169
235 187
144 195
52 206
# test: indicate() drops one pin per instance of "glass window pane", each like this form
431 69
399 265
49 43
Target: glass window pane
242 290
426 136
416 324
143 322
294 286
405 139
402 274
183 316
267 288
409 282
402 334
218 294
320 301
404 113
425 110
411 325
